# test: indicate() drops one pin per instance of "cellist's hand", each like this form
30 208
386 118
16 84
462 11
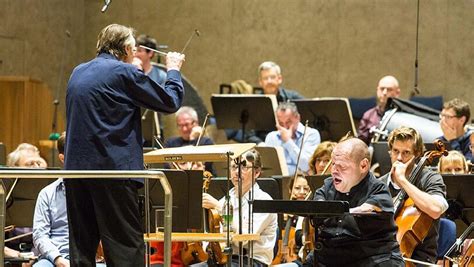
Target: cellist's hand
209 202
399 170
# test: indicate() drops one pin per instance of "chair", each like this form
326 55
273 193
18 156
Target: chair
360 105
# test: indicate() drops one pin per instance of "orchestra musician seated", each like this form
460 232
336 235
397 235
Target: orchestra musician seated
289 136
453 163
264 224
321 157
355 239
428 193
453 119
189 131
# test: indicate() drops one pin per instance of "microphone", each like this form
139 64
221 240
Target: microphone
106 5
250 157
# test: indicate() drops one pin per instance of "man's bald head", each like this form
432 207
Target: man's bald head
387 87
350 164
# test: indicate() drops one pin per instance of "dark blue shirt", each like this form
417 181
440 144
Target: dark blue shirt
461 144
103 103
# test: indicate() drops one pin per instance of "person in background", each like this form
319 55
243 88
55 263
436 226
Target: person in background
453 118
50 226
387 87
271 79
289 135
145 58
26 155
189 130
321 157
453 163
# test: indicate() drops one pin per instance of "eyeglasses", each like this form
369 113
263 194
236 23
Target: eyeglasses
243 168
188 124
446 116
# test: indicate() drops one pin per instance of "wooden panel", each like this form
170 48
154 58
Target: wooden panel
26 111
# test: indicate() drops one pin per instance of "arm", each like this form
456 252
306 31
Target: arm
311 141
431 204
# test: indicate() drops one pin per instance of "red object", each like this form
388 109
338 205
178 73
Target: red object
157 257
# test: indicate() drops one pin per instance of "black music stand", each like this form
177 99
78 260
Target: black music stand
460 197
332 117
187 201
316 181
243 112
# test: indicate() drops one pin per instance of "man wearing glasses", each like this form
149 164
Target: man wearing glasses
405 146
264 224
452 120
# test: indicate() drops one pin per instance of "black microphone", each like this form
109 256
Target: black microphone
250 157
106 5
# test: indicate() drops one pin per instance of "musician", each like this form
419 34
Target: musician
26 155
453 118
387 87
103 103
50 226
145 58
351 240
321 157
289 135
264 224
271 79
453 163
189 130
405 146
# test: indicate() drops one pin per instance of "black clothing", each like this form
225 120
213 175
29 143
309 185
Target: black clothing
365 240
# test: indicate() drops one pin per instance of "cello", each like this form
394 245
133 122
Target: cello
413 224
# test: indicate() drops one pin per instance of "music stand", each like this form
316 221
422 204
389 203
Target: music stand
241 111
187 207
331 116
316 181
460 197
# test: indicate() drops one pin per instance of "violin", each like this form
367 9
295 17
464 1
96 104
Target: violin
212 225
462 253
193 252
286 246
309 236
413 224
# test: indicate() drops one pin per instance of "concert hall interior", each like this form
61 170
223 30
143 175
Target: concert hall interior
346 115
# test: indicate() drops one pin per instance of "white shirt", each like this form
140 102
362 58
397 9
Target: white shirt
264 224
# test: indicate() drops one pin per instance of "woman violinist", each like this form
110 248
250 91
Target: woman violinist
291 240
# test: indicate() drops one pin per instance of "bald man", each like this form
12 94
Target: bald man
351 240
387 87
